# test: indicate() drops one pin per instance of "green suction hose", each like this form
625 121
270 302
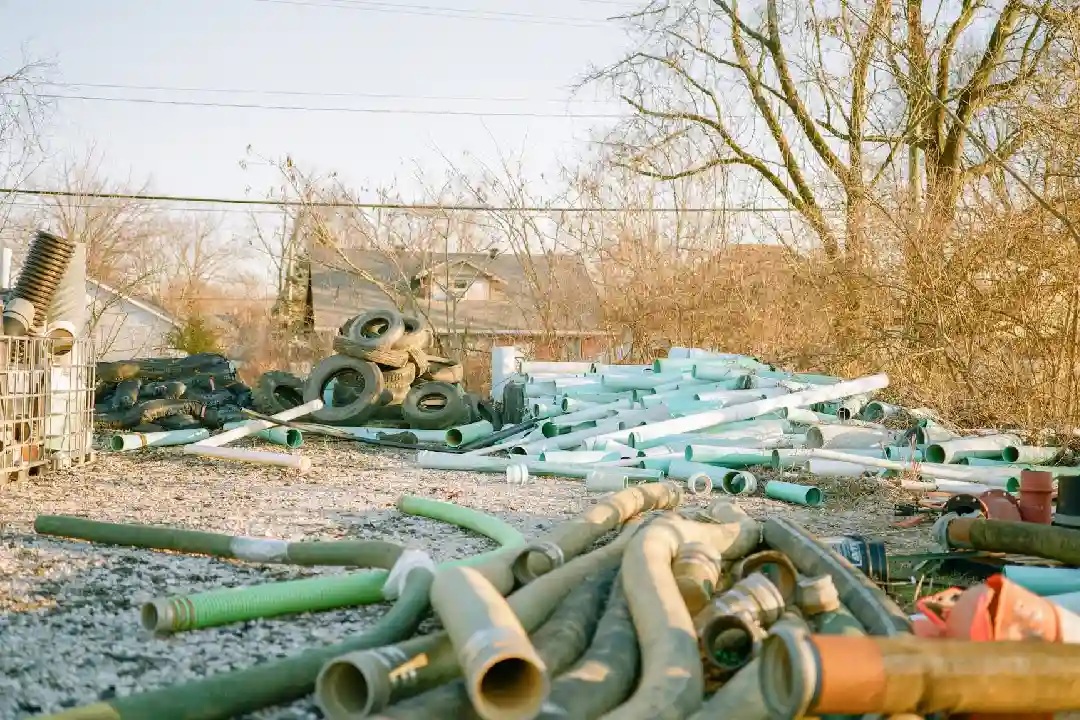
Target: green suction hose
239 692
229 605
355 553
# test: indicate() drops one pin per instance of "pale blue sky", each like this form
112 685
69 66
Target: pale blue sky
314 46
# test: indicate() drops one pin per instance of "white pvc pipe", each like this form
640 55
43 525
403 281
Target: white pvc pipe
503 365
844 436
834 468
745 411
296 462
254 426
568 368
604 429
955 487
5 268
995 477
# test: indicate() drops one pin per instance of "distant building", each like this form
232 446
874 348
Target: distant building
127 327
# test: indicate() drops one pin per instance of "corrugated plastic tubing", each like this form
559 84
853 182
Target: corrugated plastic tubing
559 642
356 553
573 537
866 601
431 658
229 605
604 676
672 680
239 692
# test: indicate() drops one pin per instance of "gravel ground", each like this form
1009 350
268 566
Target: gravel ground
69 629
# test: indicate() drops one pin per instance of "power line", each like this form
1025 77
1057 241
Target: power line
311 93
381 205
449 13
309 108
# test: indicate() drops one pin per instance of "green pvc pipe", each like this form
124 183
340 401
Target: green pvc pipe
904 452
240 692
229 605
354 553
1044 580
462 434
683 469
1055 470
728 457
815 379
289 437
1030 454
126 442
791 492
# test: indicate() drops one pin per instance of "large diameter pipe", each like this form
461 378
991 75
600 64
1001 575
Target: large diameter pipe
504 676
1004 477
745 411
807 675
287 436
844 436
981 446
481 463
253 426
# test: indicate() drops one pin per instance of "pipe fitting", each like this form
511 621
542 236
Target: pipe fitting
729 642
18 317
754 596
696 568
699 484
774 565
361 683
546 549
818 595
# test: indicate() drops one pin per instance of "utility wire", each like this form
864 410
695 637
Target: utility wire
450 13
382 205
309 108
311 93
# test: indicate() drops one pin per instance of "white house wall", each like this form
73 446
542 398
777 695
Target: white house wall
123 330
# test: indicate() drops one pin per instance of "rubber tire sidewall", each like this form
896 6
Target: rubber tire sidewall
394 332
454 412
367 399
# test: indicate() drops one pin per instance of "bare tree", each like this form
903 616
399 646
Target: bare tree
21 114
818 101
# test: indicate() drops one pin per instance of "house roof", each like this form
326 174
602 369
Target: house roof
537 291
155 310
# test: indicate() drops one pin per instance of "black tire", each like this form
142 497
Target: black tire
440 369
417 334
179 422
277 391
114 372
364 377
148 428
513 403
127 394
201 360
401 378
434 406
384 358
377 329
486 410
155 410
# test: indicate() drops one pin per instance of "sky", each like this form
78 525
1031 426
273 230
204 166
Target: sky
335 54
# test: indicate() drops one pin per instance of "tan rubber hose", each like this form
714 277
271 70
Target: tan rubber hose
804 674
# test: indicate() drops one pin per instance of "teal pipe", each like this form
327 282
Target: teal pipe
791 492
728 457
661 464
1055 470
815 379
462 434
1044 580
1069 601
683 469
903 453
126 442
229 605
289 437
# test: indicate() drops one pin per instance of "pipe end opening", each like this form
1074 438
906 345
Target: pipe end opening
518 450
935 454
814 496
1012 485
156 616
1011 454
730 642
513 687
344 690
454 437
116 443
699 484
293 438
814 438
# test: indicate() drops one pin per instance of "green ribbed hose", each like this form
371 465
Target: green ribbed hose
355 553
245 691
229 605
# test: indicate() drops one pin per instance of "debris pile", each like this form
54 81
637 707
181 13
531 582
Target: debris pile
162 394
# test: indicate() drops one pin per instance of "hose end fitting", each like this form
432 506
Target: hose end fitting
356 684
504 675
729 642
789 673
818 595
538 552
160 616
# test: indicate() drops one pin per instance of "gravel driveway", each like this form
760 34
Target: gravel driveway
69 628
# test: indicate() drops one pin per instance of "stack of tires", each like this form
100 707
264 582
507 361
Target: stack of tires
154 394
382 373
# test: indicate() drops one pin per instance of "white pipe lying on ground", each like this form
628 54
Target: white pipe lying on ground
252 427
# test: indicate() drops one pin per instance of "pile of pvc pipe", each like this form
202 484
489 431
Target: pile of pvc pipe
699 414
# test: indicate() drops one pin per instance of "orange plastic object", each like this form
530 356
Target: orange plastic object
1000 505
998 609
1036 488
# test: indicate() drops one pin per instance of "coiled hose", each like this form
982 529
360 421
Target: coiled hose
381 679
875 610
672 682
573 537
46 262
229 605
236 693
559 642
354 553
605 675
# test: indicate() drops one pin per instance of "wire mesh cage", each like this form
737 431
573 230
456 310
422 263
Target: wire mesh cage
46 404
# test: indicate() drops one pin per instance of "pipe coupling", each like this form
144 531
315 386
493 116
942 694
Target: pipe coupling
545 549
